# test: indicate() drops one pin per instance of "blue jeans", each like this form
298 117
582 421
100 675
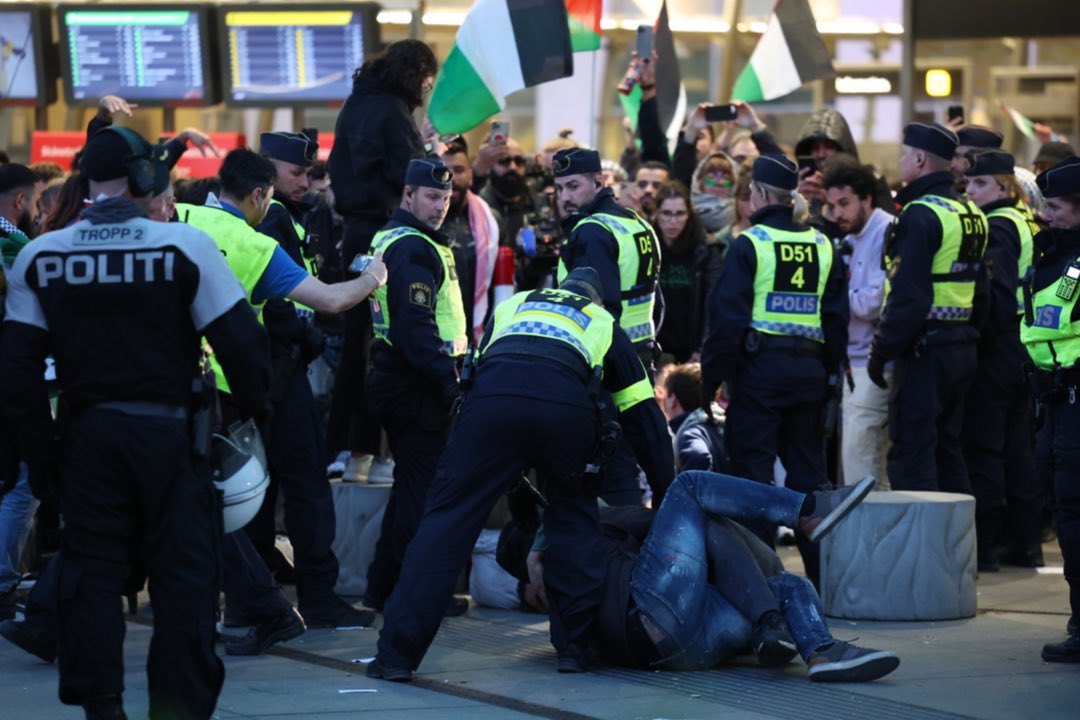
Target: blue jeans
699 627
17 510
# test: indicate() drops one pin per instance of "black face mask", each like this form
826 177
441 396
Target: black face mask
509 184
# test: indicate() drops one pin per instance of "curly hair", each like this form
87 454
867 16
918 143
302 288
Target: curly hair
401 68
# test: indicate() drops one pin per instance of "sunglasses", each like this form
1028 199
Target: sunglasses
715 181
516 160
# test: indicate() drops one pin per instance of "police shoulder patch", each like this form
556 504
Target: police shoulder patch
421 294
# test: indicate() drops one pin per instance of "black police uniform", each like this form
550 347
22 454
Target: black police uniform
411 387
997 430
529 406
776 384
935 358
121 302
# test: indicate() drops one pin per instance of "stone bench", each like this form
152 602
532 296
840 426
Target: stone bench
359 508
902 555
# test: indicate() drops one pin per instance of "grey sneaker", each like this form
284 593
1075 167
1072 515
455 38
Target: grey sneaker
831 506
382 471
844 662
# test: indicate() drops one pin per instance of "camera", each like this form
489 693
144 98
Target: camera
541 235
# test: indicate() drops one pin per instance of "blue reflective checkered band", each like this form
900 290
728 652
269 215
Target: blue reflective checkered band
644 331
759 233
940 202
949 313
531 327
640 299
806 331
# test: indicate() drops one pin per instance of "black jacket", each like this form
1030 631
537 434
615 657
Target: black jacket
374 140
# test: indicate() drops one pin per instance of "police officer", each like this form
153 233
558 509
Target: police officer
532 404
266 273
121 302
420 336
622 247
1051 332
778 319
929 325
997 414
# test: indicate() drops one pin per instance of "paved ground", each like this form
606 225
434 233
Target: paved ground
494 664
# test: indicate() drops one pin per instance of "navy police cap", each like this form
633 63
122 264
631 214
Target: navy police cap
979 137
776 170
575 161
990 162
584 278
296 148
428 172
1062 179
933 138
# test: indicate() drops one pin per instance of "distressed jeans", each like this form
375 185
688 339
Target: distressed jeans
17 510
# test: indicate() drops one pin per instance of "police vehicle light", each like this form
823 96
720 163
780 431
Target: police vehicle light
872 85
938 83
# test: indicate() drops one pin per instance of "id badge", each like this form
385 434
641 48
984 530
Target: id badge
1066 288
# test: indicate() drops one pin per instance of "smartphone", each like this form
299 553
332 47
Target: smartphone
721 113
360 263
956 111
500 132
645 42
807 162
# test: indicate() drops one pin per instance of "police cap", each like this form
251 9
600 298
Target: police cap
428 172
14 176
1062 179
979 137
109 152
776 170
990 162
296 148
933 138
575 161
584 281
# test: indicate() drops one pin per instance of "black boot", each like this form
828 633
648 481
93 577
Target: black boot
109 707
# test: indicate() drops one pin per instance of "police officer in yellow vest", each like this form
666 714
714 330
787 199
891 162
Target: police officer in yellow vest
624 251
1051 332
935 303
997 415
778 318
293 444
420 338
532 403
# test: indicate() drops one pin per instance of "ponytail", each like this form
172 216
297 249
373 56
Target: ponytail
800 211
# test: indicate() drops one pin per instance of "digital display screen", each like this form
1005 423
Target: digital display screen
295 54
27 73
151 54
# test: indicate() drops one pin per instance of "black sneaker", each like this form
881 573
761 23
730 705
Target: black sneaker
338 614
377 669
110 707
831 506
1067 651
264 634
574 659
771 640
844 662
458 605
27 635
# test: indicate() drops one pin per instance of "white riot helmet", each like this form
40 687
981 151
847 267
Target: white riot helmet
238 468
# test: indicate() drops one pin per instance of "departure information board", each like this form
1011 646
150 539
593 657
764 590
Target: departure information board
295 54
25 47
150 54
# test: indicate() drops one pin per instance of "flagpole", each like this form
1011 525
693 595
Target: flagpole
733 10
594 130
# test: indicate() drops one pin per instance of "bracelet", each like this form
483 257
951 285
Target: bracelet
648 87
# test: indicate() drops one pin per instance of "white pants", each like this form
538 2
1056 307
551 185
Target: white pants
865 435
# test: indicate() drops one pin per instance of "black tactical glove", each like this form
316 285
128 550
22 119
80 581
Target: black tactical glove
523 500
875 368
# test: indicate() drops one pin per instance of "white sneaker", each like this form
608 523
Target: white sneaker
357 469
382 471
337 468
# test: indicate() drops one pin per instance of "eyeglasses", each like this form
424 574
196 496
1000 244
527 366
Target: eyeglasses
673 214
717 181
515 159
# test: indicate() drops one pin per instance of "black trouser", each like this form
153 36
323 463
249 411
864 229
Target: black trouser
1063 437
352 426
132 497
926 414
494 437
251 593
415 418
776 410
997 452
294 453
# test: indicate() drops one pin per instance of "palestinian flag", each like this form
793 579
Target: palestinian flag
670 91
584 23
503 46
789 54
1022 123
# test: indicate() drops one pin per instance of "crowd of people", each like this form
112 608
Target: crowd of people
709 339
